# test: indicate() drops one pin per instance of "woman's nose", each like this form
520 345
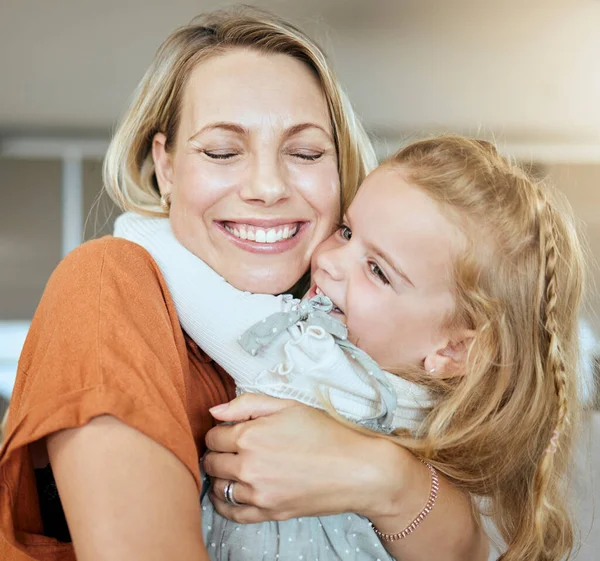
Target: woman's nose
266 184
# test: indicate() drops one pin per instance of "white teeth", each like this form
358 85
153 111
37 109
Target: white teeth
319 292
270 235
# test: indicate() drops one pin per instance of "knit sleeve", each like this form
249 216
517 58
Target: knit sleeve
211 311
302 362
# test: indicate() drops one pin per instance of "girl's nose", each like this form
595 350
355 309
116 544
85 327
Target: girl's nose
331 261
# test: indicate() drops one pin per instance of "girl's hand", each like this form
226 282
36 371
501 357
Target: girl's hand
289 460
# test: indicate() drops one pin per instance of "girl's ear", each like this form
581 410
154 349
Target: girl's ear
449 361
163 165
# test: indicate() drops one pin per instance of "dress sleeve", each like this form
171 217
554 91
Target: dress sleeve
105 340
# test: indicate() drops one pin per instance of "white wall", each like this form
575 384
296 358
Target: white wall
530 70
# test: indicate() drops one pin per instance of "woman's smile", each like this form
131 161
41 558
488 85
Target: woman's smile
264 236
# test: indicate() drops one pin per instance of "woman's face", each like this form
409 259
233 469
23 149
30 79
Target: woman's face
252 175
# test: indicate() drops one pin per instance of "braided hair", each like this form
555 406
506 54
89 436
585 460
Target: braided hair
504 431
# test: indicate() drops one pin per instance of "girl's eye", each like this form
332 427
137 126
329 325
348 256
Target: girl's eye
376 270
345 232
219 155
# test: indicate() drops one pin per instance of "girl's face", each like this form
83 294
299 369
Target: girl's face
388 269
253 175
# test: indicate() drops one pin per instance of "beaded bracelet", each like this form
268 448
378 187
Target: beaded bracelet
433 493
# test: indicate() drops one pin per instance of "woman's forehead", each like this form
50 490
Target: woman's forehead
254 90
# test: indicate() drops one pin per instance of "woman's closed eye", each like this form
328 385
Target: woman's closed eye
306 155
220 154
228 155
378 273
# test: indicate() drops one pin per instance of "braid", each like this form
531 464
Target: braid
515 411
553 364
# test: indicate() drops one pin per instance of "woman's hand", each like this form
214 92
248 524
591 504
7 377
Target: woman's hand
289 460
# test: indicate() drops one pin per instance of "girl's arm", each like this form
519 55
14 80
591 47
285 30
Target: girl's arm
292 461
125 497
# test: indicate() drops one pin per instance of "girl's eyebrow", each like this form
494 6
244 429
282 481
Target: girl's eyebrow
384 255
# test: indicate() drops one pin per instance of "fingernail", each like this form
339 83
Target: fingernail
218 408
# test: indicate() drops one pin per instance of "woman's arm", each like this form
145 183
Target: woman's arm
125 497
292 461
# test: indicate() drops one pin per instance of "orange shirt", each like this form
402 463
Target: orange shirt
105 339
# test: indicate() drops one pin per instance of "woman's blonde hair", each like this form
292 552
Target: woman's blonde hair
504 431
129 168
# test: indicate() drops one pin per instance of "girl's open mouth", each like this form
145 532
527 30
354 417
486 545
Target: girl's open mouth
319 292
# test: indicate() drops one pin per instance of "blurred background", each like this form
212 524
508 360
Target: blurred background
525 74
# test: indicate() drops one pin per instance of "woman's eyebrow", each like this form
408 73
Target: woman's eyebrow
224 125
296 129
243 131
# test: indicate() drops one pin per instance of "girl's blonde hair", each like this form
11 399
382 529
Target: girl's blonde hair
156 105
504 431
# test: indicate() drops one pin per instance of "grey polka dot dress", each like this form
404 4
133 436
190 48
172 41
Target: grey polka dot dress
347 537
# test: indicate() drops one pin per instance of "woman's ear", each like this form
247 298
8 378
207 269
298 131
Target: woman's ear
450 360
163 166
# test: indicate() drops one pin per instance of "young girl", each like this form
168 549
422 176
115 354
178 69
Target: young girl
457 273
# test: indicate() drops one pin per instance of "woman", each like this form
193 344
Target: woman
239 121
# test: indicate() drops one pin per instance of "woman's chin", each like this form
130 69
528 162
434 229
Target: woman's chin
274 280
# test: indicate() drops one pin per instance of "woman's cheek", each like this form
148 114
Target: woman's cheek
201 188
319 184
